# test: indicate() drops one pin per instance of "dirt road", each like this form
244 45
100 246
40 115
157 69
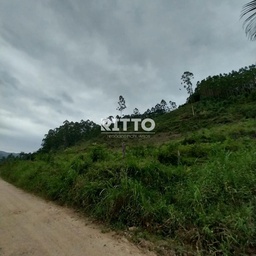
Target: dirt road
31 226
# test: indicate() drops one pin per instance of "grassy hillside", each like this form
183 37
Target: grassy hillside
190 188
191 185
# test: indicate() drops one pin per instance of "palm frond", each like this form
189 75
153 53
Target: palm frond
250 22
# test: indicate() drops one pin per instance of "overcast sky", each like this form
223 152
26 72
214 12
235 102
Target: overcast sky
71 59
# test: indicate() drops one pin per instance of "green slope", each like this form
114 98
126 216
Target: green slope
190 188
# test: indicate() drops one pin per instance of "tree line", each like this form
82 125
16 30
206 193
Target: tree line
224 86
159 108
69 134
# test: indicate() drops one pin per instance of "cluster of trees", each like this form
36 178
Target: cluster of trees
223 86
69 134
160 108
21 155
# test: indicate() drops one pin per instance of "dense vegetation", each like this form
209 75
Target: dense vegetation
191 188
225 86
69 134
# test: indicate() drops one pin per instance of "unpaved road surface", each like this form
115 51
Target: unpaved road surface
32 226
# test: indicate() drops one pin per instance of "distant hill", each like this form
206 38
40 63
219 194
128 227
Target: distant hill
6 154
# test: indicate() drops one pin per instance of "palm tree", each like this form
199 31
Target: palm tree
250 21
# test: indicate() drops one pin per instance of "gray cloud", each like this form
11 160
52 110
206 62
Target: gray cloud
72 59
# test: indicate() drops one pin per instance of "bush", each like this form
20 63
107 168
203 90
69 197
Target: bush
98 153
169 154
81 164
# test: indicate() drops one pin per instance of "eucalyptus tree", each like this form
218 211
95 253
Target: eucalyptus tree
173 105
164 106
136 112
187 84
121 105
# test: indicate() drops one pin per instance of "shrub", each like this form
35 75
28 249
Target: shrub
168 154
98 153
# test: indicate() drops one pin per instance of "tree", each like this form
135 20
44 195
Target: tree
121 104
187 84
173 105
147 112
164 106
250 21
158 108
136 112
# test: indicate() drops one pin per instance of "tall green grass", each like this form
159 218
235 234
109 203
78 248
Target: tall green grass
199 191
